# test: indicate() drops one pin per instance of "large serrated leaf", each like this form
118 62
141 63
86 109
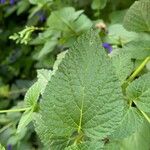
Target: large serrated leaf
123 65
93 145
138 17
62 18
83 100
139 140
130 123
139 92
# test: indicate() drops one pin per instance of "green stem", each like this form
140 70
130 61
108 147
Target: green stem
145 115
138 70
135 73
15 110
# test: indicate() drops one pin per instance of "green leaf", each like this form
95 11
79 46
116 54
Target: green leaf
59 59
119 35
117 16
98 4
112 145
138 49
47 48
40 2
139 140
83 101
1 147
70 22
22 6
131 123
62 18
138 17
139 92
123 65
43 76
93 145
82 24
25 120
33 94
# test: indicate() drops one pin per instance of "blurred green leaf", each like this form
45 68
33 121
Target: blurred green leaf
1 147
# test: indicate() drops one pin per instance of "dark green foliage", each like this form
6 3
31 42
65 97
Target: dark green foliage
85 97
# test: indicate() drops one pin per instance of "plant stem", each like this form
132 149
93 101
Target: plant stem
15 110
145 115
138 70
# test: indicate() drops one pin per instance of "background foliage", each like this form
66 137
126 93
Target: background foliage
35 36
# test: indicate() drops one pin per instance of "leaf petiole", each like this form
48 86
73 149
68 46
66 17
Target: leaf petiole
15 110
135 73
145 116
138 70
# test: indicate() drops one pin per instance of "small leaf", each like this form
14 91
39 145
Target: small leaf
25 120
61 19
138 17
47 48
98 4
33 94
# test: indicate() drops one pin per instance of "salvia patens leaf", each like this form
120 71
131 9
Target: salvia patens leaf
139 140
139 92
83 101
138 17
